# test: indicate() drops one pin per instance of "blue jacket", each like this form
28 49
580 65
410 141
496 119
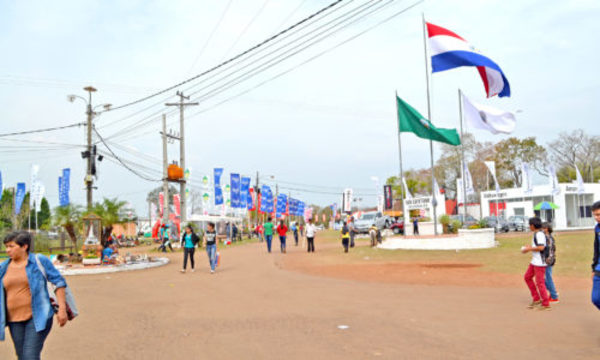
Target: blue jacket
40 300
595 265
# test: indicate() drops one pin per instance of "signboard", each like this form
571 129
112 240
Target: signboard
387 193
418 203
347 200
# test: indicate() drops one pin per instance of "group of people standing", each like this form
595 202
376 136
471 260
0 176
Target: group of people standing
297 230
190 240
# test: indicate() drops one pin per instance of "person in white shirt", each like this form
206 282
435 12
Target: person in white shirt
537 267
311 230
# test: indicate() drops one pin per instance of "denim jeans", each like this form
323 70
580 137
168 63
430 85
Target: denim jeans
550 283
282 242
211 250
28 342
596 292
269 239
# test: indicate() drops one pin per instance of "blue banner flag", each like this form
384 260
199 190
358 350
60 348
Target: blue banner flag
267 198
19 197
235 191
218 191
245 200
63 187
1 187
281 205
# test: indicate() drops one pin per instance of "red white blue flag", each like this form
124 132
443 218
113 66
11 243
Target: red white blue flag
449 51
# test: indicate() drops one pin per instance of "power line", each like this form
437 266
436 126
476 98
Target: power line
264 5
229 60
41 130
212 33
289 16
120 161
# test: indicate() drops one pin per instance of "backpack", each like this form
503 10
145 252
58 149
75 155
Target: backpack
551 257
546 252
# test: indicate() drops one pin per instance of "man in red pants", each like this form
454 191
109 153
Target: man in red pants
537 267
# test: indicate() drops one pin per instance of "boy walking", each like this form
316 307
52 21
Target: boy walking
595 264
537 267
268 227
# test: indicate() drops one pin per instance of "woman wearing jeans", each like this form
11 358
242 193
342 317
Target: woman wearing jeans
547 228
189 240
24 301
210 241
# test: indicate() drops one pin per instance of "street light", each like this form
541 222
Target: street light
89 154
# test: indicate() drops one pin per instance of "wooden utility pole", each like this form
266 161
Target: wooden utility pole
181 104
165 175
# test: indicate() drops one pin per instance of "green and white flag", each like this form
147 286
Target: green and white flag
410 120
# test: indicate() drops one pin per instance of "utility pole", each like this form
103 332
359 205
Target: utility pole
165 180
89 180
181 104
256 193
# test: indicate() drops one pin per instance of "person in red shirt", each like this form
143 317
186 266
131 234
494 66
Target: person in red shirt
282 231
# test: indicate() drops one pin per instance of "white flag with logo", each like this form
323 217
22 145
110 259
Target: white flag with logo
580 186
553 179
407 194
492 168
526 181
35 169
468 180
488 118
460 199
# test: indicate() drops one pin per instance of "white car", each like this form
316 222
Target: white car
367 219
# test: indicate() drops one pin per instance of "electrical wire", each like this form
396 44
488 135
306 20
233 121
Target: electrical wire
41 130
289 16
257 46
356 13
264 5
120 161
212 33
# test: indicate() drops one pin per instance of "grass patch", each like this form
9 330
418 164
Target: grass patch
574 253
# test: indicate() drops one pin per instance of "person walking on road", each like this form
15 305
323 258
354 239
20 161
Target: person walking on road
550 261
595 262
282 231
189 240
345 236
210 242
537 267
352 230
311 230
415 226
24 301
164 235
294 229
268 233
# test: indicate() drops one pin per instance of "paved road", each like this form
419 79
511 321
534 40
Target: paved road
254 309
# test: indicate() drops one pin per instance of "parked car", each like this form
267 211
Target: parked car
466 221
499 224
367 219
518 223
397 227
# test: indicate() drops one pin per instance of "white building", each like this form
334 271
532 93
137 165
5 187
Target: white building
574 210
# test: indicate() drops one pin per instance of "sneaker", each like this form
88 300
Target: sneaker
212 271
182 271
554 301
193 270
534 304
544 308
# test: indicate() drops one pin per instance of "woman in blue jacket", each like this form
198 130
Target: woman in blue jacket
24 301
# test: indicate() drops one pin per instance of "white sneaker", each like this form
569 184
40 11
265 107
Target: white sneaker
182 271
212 271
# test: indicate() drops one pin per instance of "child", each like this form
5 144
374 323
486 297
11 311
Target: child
537 267
595 264
345 236
550 261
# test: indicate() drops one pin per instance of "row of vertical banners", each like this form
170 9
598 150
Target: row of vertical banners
239 194
38 190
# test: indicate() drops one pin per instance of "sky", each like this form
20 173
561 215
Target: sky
328 124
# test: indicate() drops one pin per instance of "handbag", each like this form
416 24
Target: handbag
72 311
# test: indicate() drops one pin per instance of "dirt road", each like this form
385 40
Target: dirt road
255 308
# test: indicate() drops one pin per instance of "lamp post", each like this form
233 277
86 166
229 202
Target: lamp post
90 153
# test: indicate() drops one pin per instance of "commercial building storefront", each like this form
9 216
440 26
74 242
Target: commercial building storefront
574 210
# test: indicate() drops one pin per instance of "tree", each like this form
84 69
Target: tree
511 153
109 210
153 195
68 217
576 147
44 214
448 167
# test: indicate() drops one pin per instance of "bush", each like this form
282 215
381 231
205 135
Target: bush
455 224
482 223
474 226
444 219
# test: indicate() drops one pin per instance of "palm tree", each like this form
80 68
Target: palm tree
109 210
69 217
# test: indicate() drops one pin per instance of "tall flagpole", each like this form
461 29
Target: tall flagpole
400 159
429 117
462 152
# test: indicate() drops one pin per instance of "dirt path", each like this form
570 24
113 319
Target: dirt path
254 309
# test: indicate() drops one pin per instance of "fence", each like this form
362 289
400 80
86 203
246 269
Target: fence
46 242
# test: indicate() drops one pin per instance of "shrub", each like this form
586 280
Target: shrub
455 224
474 226
444 219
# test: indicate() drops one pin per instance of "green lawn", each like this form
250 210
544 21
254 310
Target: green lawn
574 253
